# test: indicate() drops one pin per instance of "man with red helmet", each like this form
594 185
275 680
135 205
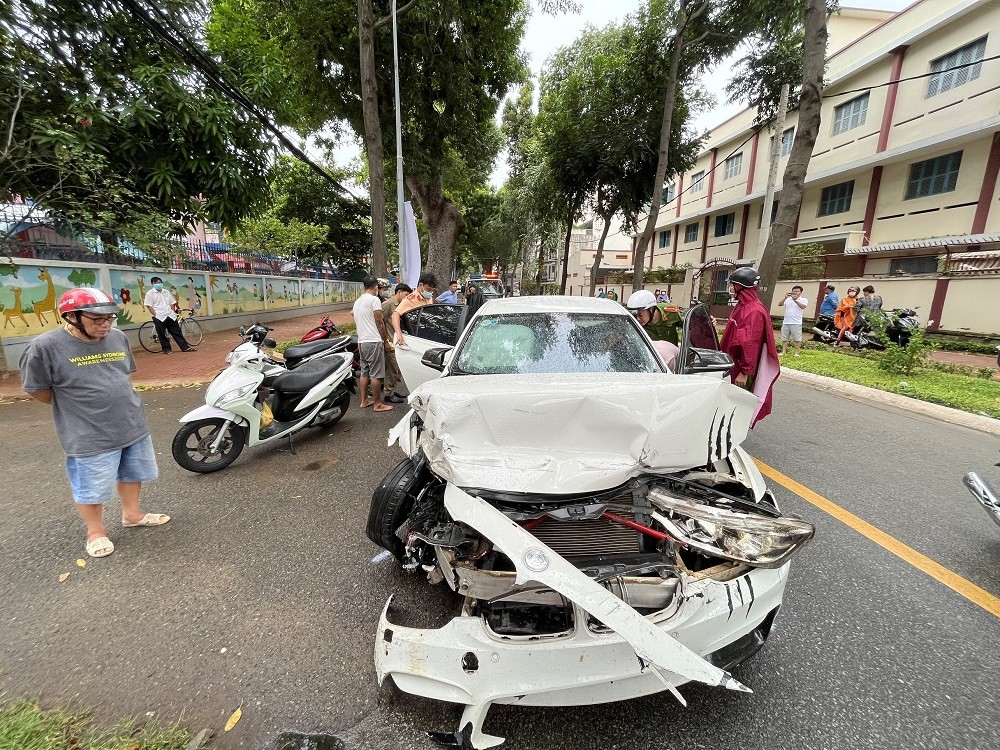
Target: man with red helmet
82 370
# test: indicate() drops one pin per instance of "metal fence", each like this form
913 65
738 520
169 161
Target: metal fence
29 233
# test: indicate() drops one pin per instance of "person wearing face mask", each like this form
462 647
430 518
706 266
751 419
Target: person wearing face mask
163 307
844 317
422 295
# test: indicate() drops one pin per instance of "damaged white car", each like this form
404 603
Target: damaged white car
604 533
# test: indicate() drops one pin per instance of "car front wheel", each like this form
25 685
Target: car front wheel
391 503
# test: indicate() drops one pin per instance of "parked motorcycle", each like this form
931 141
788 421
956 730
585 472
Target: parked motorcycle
987 496
259 400
326 330
902 323
859 337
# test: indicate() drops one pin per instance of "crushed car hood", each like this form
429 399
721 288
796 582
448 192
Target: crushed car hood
565 434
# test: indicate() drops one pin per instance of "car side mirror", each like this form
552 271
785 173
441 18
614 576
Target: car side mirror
704 361
434 358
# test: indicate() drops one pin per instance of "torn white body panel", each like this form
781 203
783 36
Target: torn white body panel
565 434
580 668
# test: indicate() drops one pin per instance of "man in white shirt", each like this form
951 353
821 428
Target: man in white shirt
163 307
373 340
791 326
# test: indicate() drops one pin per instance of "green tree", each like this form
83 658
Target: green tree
106 125
698 34
805 19
298 193
457 60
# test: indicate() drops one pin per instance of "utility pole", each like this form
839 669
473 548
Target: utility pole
772 174
400 217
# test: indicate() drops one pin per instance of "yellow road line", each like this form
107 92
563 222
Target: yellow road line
938 572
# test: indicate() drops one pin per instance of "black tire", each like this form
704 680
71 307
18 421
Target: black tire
148 338
190 445
191 329
391 503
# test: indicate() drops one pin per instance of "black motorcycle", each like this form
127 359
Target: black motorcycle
859 337
901 324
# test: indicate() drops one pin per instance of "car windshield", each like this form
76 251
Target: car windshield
553 342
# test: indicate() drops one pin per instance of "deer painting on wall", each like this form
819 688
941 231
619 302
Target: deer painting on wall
48 303
15 312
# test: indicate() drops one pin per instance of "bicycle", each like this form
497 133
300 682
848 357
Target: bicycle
190 327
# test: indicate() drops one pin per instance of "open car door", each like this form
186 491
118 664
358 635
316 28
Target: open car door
427 327
699 350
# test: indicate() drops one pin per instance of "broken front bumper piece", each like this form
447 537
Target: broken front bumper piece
465 662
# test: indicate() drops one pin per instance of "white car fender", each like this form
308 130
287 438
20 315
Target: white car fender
208 412
535 561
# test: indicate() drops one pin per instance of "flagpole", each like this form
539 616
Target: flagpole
400 218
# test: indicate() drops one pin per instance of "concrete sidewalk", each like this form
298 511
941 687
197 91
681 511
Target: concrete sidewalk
195 367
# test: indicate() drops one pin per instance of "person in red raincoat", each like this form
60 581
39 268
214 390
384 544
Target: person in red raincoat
749 340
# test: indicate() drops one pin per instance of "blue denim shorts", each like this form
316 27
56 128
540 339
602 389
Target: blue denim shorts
93 478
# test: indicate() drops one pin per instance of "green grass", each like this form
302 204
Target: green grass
26 726
969 394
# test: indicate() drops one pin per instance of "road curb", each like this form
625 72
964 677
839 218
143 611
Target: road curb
863 393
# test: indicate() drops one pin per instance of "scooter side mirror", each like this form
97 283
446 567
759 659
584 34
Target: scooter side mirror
270 343
434 358
243 331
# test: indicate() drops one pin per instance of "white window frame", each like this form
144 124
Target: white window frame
947 76
734 165
851 114
698 182
688 232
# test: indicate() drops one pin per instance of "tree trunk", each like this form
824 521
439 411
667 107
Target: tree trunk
373 137
444 224
810 104
600 253
569 236
639 261
541 266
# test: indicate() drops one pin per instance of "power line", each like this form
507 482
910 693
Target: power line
193 55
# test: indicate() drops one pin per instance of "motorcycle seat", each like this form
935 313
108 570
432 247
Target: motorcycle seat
305 377
295 354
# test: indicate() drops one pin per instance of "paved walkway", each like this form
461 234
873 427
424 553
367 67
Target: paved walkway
199 366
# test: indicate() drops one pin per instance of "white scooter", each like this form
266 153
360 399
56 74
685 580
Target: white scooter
313 394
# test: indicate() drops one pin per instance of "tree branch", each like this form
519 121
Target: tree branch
13 119
399 11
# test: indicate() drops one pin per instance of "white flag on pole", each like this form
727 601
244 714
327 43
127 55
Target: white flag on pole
412 249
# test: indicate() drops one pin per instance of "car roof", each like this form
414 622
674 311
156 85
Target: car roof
549 304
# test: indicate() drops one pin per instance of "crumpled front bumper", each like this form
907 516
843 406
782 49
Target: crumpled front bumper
464 662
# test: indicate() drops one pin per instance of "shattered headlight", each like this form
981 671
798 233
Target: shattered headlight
749 538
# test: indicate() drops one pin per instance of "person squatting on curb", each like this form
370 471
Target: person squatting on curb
83 370
163 307
749 340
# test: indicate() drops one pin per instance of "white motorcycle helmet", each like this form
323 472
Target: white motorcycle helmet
640 300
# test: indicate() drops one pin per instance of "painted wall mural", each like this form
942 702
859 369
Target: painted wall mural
312 292
28 296
129 289
334 291
236 294
282 293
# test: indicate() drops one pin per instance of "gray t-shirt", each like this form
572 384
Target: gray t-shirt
94 405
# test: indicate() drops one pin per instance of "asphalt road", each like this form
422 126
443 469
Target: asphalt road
263 592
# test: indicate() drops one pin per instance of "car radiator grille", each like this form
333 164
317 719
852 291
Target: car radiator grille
587 538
